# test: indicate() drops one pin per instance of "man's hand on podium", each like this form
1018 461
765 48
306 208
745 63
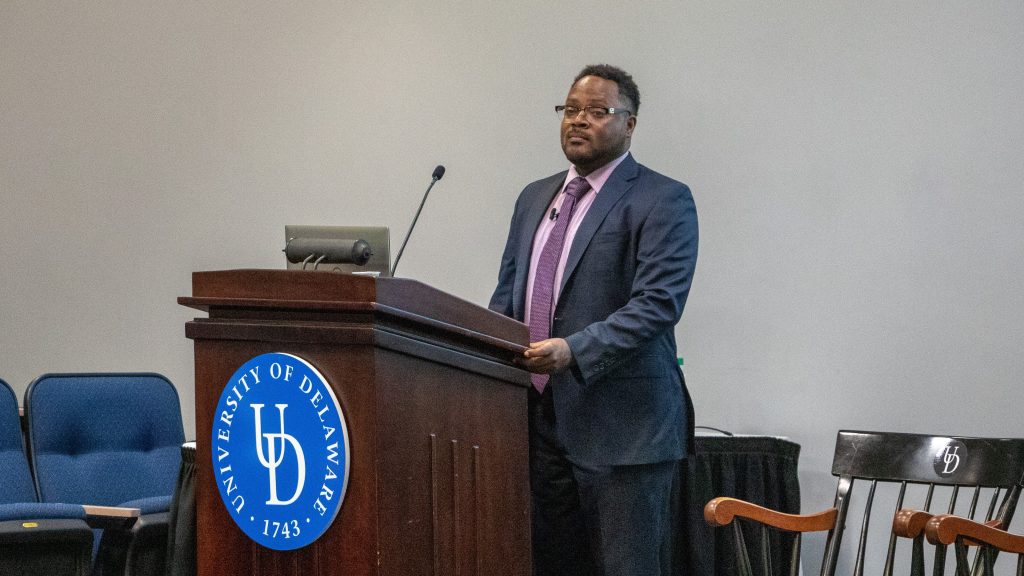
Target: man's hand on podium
547 356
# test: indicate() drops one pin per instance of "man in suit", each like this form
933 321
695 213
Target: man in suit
598 262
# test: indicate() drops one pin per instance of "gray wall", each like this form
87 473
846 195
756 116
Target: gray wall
857 167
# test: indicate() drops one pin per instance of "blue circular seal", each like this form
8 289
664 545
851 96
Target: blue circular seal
280 451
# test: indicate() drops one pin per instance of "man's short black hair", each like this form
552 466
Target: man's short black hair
627 88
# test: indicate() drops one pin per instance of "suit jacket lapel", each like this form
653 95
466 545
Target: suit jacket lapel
531 220
614 189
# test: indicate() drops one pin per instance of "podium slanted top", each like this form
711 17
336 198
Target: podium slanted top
329 296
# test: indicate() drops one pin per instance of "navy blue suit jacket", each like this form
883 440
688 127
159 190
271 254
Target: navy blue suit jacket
625 283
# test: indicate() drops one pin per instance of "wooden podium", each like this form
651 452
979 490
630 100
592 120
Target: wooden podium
436 414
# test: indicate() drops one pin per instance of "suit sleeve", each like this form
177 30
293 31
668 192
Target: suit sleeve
501 300
665 259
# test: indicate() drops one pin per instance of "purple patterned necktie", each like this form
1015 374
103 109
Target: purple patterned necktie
544 278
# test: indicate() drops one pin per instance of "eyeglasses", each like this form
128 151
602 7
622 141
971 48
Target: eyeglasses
593 113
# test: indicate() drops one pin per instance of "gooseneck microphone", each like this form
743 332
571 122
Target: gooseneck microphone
437 175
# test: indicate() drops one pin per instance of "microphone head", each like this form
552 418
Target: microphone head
438 172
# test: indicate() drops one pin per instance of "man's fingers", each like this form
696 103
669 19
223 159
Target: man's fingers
547 356
538 349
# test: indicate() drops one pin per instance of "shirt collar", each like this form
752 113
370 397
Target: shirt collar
598 177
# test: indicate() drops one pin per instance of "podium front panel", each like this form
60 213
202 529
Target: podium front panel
453 471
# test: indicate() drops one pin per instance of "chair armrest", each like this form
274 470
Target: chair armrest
722 510
909 523
945 528
111 517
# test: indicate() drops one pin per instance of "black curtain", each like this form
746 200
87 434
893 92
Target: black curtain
181 531
759 469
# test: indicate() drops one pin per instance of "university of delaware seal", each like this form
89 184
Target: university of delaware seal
280 451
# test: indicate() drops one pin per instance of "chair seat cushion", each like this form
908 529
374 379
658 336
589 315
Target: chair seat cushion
149 505
37 511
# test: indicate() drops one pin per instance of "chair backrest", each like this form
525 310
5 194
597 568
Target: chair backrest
974 477
15 478
103 439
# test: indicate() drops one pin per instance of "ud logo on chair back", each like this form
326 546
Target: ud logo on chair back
280 451
949 457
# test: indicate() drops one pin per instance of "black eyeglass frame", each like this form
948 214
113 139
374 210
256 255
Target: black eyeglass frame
566 112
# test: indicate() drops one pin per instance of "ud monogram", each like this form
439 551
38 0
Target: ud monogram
271 463
282 474
948 459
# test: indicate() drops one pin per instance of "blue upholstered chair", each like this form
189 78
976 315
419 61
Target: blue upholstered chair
109 440
35 538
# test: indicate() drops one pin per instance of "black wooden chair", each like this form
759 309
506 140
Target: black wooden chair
896 473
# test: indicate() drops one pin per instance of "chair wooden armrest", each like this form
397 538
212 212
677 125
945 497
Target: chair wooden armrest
909 523
945 528
111 517
722 510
